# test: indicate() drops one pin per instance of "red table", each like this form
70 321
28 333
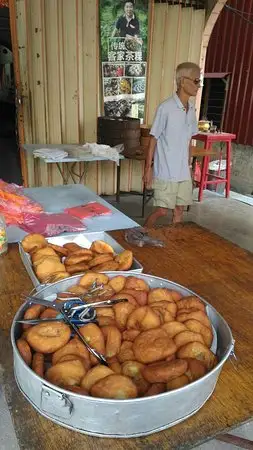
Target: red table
209 139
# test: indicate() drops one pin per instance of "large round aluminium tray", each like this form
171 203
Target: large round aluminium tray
119 418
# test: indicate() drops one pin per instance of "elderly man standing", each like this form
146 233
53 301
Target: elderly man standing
173 127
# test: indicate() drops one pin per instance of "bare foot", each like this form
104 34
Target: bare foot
151 220
178 213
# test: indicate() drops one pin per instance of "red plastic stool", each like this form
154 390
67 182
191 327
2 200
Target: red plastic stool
209 139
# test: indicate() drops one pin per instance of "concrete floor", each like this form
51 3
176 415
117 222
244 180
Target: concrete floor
228 218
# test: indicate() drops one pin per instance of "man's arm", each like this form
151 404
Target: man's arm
148 175
151 151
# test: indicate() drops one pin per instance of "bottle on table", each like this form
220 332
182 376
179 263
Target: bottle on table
3 236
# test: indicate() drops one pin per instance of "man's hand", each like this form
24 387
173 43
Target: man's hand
147 177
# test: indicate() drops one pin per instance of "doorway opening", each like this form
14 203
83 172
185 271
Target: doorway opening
10 168
214 97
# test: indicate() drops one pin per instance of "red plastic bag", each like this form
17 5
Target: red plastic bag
51 224
92 209
14 204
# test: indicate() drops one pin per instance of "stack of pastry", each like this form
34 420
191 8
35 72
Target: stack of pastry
52 262
155 342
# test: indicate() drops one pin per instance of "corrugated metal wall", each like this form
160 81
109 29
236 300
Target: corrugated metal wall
231 50
58 53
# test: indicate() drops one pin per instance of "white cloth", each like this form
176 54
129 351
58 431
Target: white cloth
173 128
105 151
46 153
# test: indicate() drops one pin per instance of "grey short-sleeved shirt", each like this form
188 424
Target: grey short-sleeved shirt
173 128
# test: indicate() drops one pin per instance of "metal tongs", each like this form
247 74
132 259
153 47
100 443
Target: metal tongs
67 311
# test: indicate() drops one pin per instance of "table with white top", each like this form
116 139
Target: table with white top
70 163
56 199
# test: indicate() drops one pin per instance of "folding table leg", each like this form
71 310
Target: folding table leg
118 184
144 198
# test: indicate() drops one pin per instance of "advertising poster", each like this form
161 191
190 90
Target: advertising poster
123 43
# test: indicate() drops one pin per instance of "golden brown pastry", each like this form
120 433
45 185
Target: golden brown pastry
124 260
95 374
68 373
48 337
153 345
33 241
117 283
38 364
162 372
24 350
73 347
115 386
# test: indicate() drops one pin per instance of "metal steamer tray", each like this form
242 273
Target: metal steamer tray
84 240
119 418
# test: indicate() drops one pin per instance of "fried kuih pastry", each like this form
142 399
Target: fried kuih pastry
196 369
153 345
24 350
136 283
73 347
126 352
58 276
133 369
95 374
38 364
197 315
94 336
100 259
177 383
122 312
112 337
141 297
173 328
114 364
198 327
197 350
114 386
187 336
43 252
143 318
75 258
33 312
61 251
164 371
169 307
89 278
85 362
48 337
68 373
191 302
72 247
117 283
109 266
101 247
155 389
77 268
49 313
33 241
125 260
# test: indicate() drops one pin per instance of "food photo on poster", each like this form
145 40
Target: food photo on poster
123 41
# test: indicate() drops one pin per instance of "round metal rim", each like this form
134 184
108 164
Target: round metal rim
142 399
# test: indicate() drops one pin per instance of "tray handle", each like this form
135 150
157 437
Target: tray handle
55 403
